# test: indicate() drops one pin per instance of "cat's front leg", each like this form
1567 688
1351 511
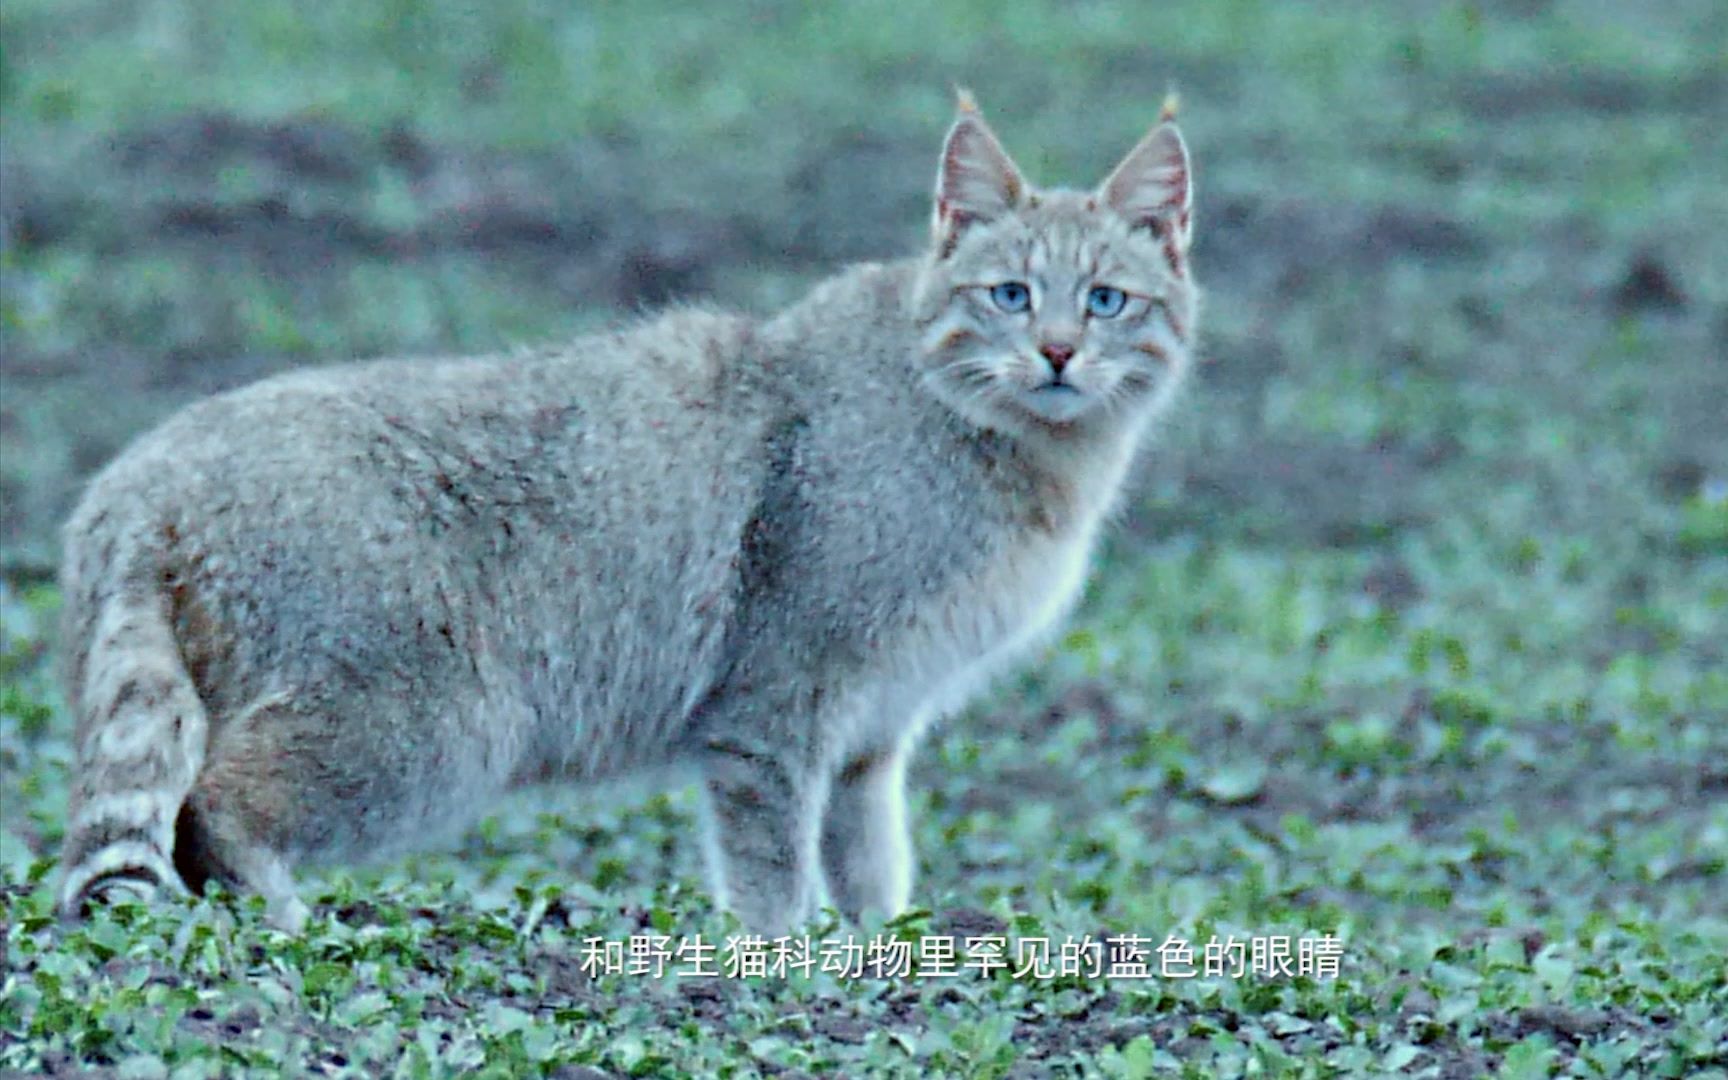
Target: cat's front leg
762 810
866 850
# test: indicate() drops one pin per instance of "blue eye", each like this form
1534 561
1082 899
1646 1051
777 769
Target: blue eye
1011 296
1105 302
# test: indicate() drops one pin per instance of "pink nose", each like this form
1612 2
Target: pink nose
1058 353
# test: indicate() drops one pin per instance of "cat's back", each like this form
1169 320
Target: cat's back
323 441
346 502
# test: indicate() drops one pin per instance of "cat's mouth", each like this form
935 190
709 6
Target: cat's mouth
1055 401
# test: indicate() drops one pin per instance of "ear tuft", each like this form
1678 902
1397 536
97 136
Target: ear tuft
977 180
1153 187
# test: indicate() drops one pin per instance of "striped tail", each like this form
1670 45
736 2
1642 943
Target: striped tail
142 734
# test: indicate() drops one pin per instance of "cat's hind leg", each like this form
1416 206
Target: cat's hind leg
342 771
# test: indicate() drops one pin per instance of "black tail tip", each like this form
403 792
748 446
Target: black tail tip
128 884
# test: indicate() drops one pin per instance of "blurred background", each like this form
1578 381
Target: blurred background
1405 213
1418 619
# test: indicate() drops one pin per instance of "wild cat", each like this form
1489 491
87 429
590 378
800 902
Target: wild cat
333 613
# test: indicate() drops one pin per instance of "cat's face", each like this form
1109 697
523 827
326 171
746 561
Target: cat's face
1057 311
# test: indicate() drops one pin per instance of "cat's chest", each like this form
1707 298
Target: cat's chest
980 623
1021 594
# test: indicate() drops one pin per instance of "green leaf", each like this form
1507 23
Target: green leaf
1236 783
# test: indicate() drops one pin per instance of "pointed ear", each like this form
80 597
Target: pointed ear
1154 186
977 180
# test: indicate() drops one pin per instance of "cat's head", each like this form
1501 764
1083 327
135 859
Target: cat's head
1057 311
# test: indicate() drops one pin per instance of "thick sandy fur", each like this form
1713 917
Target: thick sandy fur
328 615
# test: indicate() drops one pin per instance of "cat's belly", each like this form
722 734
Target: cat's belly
610 688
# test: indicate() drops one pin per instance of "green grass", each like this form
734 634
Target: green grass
1414 634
